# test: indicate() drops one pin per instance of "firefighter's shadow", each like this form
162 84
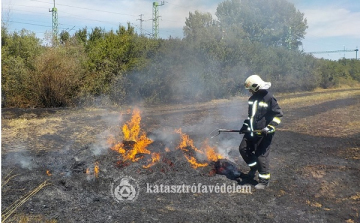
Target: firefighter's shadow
230 170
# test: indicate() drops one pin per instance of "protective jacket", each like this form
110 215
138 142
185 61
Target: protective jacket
264 111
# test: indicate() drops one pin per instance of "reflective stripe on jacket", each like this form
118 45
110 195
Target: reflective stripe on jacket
263 110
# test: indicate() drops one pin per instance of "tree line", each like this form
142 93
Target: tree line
211 61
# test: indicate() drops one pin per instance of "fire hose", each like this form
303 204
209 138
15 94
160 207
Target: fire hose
217 132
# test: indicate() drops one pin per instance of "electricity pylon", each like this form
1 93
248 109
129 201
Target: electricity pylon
54 23
155 27
141 22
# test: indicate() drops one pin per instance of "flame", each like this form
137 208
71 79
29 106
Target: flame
96 170
87 171
136 139
135 142
131 129
194 163
48 173
155 157
117 146
186 144
210 152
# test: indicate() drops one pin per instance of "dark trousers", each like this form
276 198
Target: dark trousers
257 149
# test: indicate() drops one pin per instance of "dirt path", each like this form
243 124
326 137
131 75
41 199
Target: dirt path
315 163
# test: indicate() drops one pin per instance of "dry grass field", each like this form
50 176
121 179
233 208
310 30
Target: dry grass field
315 163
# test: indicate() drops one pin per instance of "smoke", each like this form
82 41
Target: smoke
181 75
198 121
101 146
113 123
167 136
22 158
228 148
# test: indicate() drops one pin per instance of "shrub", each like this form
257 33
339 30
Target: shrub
57 77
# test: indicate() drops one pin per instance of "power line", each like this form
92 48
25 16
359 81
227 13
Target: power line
30 12
145 31
181 6
21 21
60 24
71 16
336 51
27 23
29 20
15 30
333 51
28 6
84 19
81 18
33 24
97 10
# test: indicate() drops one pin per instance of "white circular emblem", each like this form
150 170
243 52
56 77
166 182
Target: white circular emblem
125 189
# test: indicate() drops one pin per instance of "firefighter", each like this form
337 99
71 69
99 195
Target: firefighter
264 114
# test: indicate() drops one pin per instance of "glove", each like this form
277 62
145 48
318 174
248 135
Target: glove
268 130
245 128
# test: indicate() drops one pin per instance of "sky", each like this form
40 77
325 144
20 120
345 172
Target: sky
333 25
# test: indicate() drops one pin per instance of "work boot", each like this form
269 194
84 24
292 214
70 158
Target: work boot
252 172
263 183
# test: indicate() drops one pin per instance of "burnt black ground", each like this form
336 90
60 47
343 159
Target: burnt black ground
312 178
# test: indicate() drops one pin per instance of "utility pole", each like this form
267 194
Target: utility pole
54 23
141 21
155 26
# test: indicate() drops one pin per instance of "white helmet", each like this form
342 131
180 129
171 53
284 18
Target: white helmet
255 83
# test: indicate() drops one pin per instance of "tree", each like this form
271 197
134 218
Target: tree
18 52
112 54
201 27
23 44
64 37
271 22
96 34
81 36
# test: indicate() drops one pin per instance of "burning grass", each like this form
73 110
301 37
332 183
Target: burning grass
134 142
207 152
134 146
